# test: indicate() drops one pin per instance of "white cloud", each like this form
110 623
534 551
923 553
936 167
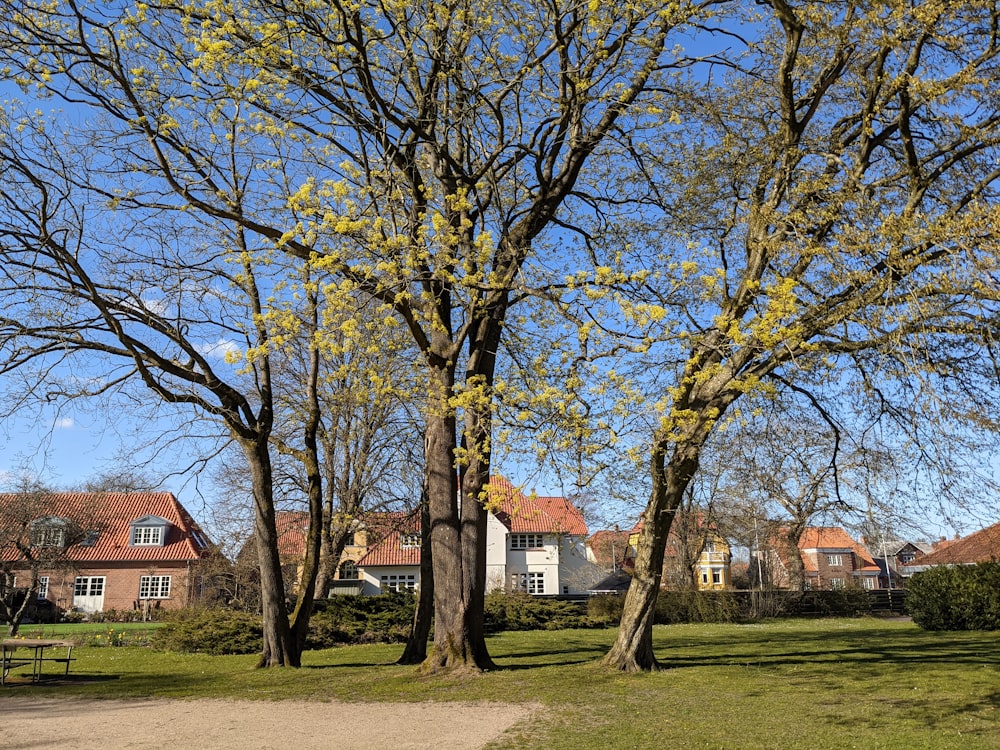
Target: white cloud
64 423
219 349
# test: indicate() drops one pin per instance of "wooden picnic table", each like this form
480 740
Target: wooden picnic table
37 658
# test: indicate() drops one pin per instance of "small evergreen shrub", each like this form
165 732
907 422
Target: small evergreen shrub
361 619
606 608
520 611
697 606
965 597
209 631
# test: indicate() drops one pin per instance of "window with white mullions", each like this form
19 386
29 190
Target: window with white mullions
147 536
526 541
530 583
154 587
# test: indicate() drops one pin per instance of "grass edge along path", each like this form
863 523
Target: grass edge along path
817 684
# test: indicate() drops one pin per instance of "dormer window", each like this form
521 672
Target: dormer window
410 540
149 531
48 532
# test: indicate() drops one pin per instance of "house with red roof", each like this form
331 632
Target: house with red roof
831 559
696 554
107 550
536 544
368 537
533 544
981 546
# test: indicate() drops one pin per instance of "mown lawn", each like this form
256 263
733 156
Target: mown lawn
816 684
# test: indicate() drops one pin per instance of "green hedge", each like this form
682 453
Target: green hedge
965 597
361 619
520 611
209 631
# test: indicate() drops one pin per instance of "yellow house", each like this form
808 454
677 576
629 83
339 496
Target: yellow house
697 556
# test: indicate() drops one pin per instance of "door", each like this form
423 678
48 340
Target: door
88 593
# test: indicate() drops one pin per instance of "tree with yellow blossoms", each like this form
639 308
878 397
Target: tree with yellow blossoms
825 210
418 154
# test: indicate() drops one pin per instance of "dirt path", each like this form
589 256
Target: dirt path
40 723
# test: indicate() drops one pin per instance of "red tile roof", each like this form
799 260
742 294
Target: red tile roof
390 550
522 514
981 546
603 543
110 514
292 527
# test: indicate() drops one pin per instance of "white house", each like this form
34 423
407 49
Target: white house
533 544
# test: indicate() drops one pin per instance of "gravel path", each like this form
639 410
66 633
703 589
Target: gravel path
40 723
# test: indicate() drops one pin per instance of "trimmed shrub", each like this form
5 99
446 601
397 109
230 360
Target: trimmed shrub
965 597
361 619
209 631
520 611
696 606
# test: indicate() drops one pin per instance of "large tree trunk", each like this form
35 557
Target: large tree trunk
455 542
279 647
309 456
415 651
633 648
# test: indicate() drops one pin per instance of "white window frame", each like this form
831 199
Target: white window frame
408 541
92 586
48 532
532 582
868 583
838 584
527 541
154 587
835 560
43 587
348 566
716 576
147 536
398 582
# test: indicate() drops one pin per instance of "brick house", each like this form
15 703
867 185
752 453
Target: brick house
108 550
831 559
981 546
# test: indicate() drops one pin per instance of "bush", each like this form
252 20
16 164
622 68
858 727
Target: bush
209 631
966 597
361 619
520 611
697 606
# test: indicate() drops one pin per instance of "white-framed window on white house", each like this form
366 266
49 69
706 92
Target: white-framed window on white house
835 561
527 541
398 583
530 583
154 587
147 536
43 587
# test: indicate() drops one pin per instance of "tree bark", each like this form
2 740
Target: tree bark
279 647
455 530
415 651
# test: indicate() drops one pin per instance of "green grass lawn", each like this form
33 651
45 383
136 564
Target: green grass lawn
814 684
